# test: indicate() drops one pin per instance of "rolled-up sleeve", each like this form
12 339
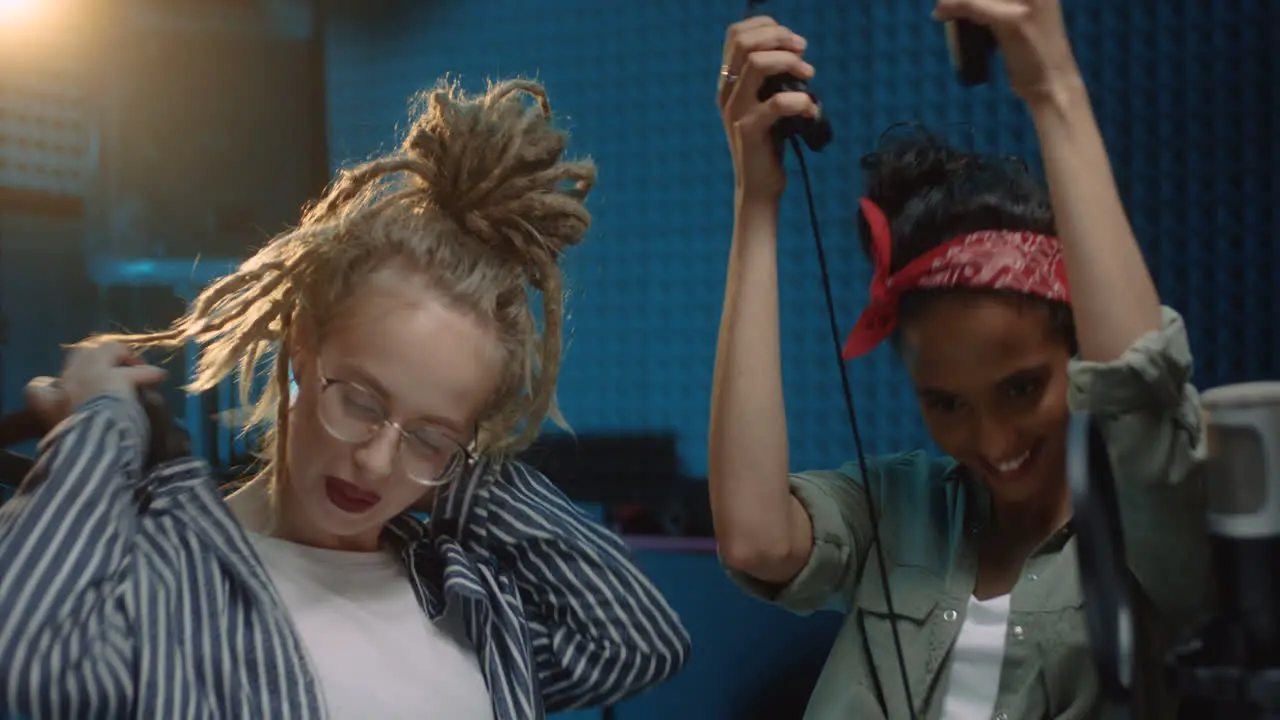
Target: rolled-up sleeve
837 505
1150 415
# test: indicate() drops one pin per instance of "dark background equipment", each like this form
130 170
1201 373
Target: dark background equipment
168 439
1231 665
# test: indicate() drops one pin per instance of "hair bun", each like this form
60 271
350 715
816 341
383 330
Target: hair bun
495 165
910 163
931 191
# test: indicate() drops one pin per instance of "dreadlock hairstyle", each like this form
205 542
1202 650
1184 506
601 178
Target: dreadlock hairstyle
478 199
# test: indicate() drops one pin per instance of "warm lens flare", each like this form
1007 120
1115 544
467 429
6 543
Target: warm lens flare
19 10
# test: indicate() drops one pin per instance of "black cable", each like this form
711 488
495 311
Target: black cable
853 423
848 397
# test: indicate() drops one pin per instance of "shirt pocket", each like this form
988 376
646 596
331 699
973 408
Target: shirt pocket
1067 670
918 614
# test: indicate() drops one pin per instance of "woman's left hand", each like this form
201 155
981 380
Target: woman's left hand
1033 40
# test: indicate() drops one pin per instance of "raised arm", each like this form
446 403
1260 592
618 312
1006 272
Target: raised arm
1112 295
763 530
66 547
1135 362
66 645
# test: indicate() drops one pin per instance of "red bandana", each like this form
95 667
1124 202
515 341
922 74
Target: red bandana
1023 262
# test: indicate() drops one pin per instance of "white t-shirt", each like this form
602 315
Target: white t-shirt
973 678
376 653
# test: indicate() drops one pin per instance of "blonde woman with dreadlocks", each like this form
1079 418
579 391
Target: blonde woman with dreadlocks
401 306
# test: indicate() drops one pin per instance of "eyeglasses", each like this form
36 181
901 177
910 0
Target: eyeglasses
354 414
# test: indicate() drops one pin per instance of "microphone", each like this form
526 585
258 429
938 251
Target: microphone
971 47
1243 483
1233 665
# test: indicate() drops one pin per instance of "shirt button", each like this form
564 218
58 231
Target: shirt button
1032 576
949 615
1001 716
1018 632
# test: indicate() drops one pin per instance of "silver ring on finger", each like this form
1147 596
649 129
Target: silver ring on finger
728 75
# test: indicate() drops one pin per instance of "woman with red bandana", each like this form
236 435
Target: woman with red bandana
1010 306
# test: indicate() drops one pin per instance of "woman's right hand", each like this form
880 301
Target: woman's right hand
755 49
92 369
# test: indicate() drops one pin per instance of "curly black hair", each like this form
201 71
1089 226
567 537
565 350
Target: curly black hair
932 191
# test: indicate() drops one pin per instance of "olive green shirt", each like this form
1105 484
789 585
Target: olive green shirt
929 515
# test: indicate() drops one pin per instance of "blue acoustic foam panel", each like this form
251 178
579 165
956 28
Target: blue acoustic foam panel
1182 93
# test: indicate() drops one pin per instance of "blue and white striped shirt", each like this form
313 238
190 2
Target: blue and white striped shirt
131 595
